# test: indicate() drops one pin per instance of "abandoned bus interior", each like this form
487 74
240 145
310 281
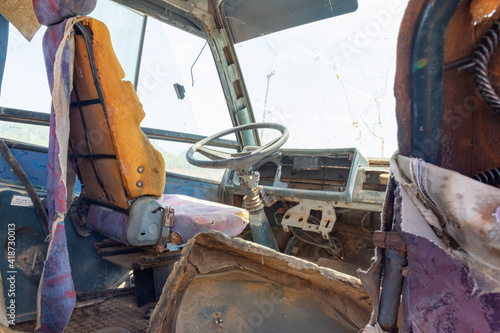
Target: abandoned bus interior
249 166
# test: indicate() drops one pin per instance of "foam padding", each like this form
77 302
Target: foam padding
105 182
140 166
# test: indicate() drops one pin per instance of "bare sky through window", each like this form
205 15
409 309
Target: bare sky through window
330 82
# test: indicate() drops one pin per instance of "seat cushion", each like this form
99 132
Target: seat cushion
192 216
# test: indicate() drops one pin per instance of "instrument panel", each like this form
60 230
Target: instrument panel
343 177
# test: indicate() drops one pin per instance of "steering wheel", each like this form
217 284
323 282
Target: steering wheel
236 161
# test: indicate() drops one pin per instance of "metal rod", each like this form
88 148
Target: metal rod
139 52
18 171
269 76
394 259
261 230
392 284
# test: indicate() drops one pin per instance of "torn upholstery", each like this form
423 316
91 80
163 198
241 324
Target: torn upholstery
192 216
56 295
452 231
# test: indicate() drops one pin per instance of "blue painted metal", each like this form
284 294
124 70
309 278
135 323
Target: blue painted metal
427 68
191 186
90 272
261 230
4 37
249 136
34 165
349 197
24 226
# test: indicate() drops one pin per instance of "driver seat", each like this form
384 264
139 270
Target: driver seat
119 167
95 120
122 173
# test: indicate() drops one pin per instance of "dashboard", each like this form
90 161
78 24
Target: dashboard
341 176
314 184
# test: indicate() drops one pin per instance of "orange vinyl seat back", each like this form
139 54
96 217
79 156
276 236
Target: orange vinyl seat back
112 156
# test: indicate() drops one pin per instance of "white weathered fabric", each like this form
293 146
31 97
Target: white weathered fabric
373 329
459 209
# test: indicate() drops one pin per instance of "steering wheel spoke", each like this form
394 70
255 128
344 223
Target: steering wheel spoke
270 143
213 154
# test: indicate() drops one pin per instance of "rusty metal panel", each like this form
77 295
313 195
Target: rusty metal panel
229 285
257 304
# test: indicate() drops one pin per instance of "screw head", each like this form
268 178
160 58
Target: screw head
139 183
140 169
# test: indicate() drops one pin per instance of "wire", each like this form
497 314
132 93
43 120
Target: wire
363 223
329 249
276 220
482 55
194 63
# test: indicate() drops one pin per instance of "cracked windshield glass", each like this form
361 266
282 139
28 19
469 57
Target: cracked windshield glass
329 82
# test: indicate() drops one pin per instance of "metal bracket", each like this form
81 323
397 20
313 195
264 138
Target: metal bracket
145 222
168 218
391 240
298 215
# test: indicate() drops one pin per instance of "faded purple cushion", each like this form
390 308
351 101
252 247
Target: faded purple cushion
192 216
50 12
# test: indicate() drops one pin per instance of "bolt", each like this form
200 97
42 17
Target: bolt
139 183
140 169
218 319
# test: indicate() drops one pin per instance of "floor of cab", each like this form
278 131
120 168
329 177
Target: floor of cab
117 312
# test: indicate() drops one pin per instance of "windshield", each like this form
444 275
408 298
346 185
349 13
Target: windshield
330 82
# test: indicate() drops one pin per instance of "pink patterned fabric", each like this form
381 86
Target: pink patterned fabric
57 295
108 222
193 216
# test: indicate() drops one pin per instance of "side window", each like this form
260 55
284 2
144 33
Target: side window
125 28
25 85
174 57
173 72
